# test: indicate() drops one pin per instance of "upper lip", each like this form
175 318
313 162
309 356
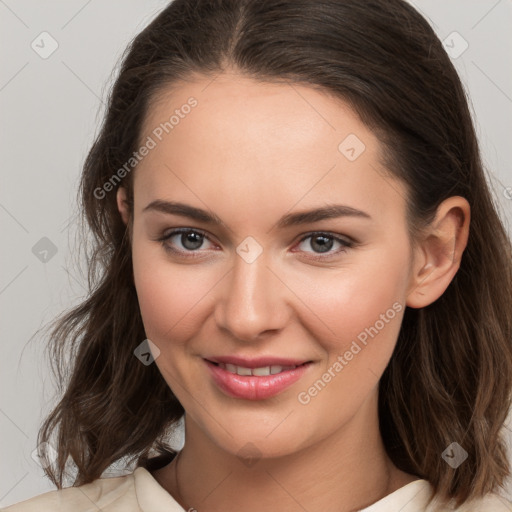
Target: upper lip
256 362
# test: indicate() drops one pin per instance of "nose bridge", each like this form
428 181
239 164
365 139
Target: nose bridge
253 300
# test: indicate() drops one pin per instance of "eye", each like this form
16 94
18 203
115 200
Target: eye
190 240
323 243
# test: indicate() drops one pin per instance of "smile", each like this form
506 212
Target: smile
256 383
260 372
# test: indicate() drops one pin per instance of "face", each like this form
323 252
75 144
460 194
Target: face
316 301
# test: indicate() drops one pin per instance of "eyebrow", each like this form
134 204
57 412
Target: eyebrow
288 220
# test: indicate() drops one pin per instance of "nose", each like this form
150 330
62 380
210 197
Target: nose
254 302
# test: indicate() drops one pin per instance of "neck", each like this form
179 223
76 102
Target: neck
345 471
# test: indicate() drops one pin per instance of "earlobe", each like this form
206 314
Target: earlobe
122 204
438 256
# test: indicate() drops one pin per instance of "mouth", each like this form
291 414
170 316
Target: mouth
253 382
260 371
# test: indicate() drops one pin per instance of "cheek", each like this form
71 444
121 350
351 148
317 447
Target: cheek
347 302
358 314
171 296
363 312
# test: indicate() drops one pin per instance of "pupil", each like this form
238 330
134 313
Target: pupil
193 238
323 246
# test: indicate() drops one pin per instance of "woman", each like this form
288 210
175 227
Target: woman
281 196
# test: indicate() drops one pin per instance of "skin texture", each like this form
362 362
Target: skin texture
252 152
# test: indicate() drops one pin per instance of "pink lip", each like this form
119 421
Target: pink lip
250 387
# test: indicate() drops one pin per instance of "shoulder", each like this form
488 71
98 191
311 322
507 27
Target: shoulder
489 503
107 494
415 496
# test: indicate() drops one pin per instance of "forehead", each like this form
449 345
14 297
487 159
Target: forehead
274 145
276 117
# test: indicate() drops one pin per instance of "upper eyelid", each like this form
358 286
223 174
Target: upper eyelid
178 231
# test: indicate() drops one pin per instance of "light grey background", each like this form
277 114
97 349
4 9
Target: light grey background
51 109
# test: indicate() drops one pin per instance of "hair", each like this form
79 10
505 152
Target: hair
450 376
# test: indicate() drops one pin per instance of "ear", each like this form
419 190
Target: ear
122 204
437 257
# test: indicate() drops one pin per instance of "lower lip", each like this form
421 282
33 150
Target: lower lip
253 387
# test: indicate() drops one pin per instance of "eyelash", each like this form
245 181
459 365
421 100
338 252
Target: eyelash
346 244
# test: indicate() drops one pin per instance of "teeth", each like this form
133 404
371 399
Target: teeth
260 372
229 367
243 371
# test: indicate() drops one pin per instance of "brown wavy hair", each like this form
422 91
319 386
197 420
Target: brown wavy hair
450 376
